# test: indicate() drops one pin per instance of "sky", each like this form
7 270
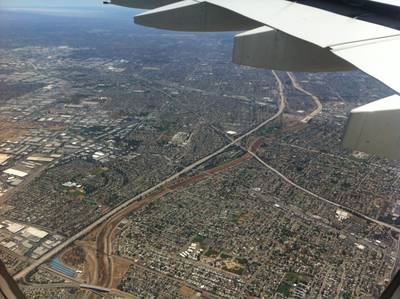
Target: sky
67 8
50 3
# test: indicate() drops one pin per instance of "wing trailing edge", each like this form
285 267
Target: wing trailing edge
193 15
141 4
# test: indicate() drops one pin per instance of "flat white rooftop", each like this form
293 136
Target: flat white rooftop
15 172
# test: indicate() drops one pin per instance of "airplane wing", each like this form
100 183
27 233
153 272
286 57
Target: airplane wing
310 36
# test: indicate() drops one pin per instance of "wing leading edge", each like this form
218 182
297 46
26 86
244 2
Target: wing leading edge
286 35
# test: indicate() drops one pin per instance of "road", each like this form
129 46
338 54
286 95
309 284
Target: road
316 100
103 239
104 266
286 179
63 285
104 260
125 204
99 291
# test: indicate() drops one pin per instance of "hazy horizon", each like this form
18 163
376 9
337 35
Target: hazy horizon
50 3
63 8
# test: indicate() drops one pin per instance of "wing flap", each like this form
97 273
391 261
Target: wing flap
375 128
268 48
378 58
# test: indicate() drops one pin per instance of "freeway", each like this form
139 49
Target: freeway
103 270
86 230
286 179
126 204
316 100
347 209
63 285
350 210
